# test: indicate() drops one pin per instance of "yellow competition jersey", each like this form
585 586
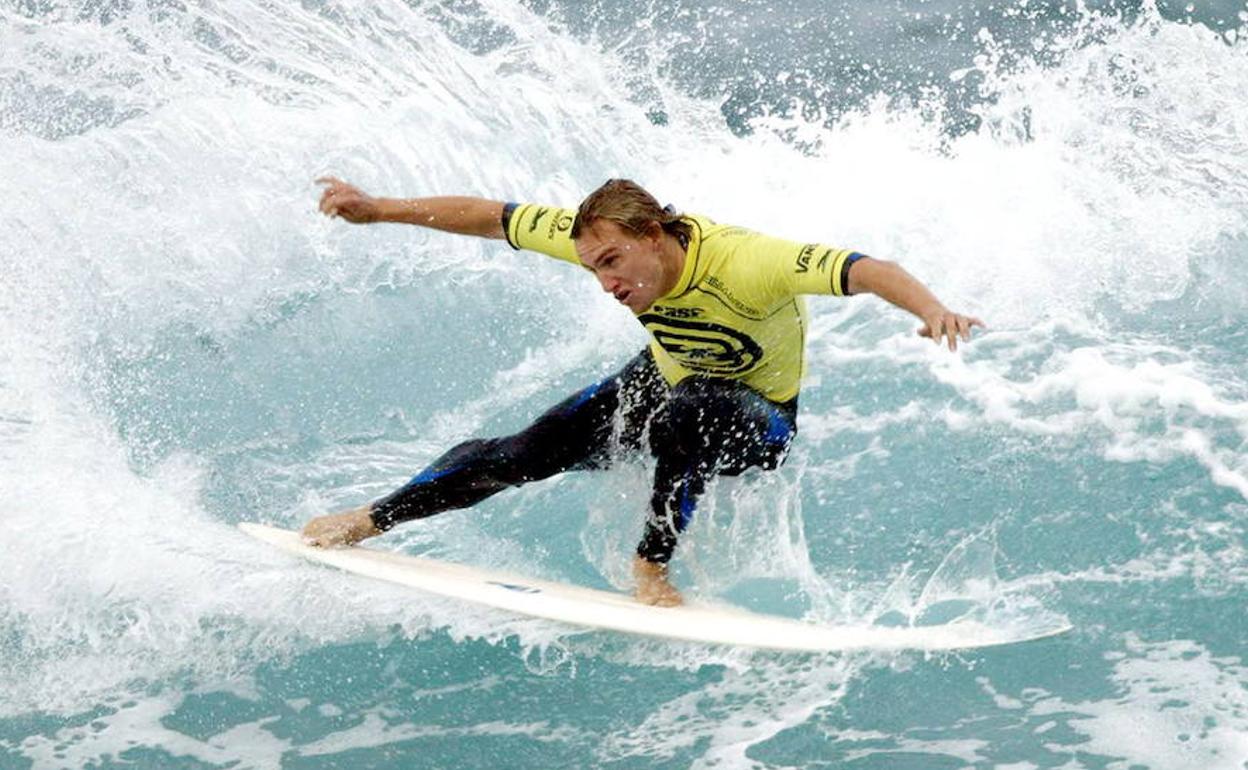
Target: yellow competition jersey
735 312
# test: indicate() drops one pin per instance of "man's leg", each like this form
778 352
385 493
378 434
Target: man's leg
708 426
575 434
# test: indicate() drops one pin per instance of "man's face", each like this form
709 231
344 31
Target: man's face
626 266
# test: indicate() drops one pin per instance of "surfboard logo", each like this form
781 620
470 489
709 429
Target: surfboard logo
515 587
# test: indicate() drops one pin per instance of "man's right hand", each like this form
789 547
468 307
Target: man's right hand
340 199
338 530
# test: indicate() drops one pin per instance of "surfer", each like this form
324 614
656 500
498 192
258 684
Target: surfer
715 392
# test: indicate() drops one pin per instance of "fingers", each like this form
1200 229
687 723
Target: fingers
959 328
327 203
945 327
949 328
327 195
331 202
333 195
938 327
964 326
337 199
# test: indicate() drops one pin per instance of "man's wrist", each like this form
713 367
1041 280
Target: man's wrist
403 210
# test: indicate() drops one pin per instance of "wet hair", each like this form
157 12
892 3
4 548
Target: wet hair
626 203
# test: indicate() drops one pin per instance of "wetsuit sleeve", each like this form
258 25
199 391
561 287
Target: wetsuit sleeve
787 268
544 229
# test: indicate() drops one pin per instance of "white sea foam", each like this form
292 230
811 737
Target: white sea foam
779 695
1176 706
139 724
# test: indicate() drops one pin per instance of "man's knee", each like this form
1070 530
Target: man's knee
542 451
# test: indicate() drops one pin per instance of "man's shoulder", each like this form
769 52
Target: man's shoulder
733 248
712 231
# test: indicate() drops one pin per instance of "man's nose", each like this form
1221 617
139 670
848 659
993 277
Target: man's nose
607 282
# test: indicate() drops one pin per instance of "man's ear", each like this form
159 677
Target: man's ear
654 231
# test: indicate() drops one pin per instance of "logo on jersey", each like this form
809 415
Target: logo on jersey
702 346
678 312
537 217
803 257
559 224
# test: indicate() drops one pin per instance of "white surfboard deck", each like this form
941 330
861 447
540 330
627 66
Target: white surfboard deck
591 608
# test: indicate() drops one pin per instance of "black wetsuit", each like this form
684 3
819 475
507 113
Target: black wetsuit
699 427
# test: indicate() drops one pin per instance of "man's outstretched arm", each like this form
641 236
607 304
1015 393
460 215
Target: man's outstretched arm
891 282
453 214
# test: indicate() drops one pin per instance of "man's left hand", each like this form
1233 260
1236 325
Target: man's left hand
949 325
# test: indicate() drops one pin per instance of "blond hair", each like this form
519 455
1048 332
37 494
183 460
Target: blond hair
626 203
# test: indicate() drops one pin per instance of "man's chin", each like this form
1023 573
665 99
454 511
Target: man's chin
636 304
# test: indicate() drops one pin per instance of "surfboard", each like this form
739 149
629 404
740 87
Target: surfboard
595 609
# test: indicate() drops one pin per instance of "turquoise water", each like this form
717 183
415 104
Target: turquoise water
187 344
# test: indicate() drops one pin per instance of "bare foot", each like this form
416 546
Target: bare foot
653 586
340 529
